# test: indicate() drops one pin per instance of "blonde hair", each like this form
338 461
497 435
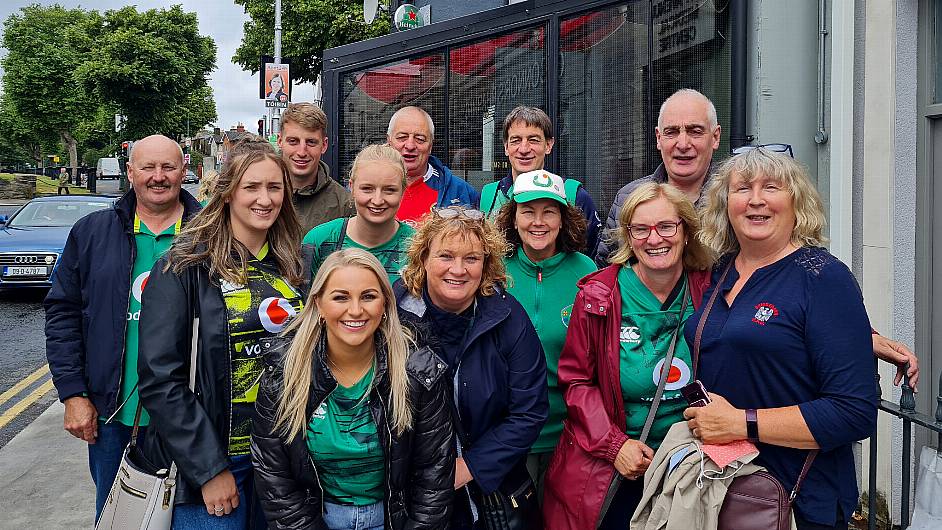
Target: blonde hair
308 115
290 415
379 153
207 185
433 227
696 256
208 238
717 232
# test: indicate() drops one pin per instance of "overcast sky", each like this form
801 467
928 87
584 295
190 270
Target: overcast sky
235 90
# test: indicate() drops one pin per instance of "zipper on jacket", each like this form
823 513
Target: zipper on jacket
317 476
539 297
124 346
386 458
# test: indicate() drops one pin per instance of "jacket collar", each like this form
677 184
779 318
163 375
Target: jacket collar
127 205
531 268
599 289
491 310
322 378
321 180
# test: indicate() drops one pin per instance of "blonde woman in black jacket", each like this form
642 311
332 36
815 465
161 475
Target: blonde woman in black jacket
353 425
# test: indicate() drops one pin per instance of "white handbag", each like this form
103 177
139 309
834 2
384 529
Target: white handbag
139 500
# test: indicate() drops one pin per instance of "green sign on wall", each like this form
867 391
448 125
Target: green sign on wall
408 17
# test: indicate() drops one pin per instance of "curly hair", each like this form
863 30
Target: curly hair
572 227
435 227
697 256
717 231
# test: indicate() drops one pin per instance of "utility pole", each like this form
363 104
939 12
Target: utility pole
276 112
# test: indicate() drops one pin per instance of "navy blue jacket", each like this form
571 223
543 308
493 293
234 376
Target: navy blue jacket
86 308
499 384
585 203
451 189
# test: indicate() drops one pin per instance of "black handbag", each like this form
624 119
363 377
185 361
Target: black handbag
512 506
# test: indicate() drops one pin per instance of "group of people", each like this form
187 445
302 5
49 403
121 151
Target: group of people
407 352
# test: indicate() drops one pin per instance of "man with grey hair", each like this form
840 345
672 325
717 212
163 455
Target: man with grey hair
94 305
687 135
430 183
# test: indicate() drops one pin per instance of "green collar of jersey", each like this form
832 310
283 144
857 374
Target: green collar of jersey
547 265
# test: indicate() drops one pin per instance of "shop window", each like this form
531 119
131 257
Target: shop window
487 80
370 97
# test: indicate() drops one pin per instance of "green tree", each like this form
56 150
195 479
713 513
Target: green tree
152 66
308 28
46 45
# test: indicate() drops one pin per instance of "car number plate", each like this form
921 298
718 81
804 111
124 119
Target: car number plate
24 271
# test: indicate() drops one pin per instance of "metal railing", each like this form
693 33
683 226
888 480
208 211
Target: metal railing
906 411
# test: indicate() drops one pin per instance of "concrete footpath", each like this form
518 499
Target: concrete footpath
44 478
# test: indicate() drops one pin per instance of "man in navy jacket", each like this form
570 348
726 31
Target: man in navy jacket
90 309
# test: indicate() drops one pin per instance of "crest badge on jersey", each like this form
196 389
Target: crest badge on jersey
565 314
629 335
275 313
764 311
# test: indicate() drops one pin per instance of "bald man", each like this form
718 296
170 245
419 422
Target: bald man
430 184
91 340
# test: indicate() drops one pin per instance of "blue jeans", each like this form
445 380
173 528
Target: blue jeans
104 459
348 517
248 516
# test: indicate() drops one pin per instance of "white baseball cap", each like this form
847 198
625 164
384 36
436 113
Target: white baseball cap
539 184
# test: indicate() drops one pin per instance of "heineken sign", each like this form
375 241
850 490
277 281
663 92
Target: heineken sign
408 17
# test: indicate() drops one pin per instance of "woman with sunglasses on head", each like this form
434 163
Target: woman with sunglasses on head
228 285
451 292
626 320
377 183
785 340
545 232
354 427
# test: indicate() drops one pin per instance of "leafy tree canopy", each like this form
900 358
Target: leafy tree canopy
308 27
69 71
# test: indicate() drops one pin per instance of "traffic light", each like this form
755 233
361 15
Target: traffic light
261 127
125 146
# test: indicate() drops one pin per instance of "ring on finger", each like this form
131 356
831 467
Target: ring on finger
218 509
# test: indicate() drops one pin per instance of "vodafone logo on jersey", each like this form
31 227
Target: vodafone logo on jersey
139 283
275 313
678 376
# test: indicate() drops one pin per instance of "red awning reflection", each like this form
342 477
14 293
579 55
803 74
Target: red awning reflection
404 82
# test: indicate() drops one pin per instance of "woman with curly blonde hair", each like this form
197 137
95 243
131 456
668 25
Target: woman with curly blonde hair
784 342
452 292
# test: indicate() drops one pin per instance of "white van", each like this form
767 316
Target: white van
108 168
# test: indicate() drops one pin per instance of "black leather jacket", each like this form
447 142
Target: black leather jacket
189 428
420 465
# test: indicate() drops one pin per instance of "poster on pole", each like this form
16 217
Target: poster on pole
277 85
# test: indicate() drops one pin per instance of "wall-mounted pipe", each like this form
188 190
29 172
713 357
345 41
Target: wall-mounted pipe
821 135
739 12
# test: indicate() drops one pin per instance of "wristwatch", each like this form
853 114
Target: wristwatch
752 426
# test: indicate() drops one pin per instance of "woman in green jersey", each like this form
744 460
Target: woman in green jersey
354 424
545 232
620 333
228 285
377 182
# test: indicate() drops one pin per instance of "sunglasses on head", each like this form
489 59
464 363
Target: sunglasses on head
775 148
453 212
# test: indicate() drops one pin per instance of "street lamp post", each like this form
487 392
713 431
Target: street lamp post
276 112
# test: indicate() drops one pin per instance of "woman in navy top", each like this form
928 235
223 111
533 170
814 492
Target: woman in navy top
785 350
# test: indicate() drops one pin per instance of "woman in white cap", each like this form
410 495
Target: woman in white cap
546 232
